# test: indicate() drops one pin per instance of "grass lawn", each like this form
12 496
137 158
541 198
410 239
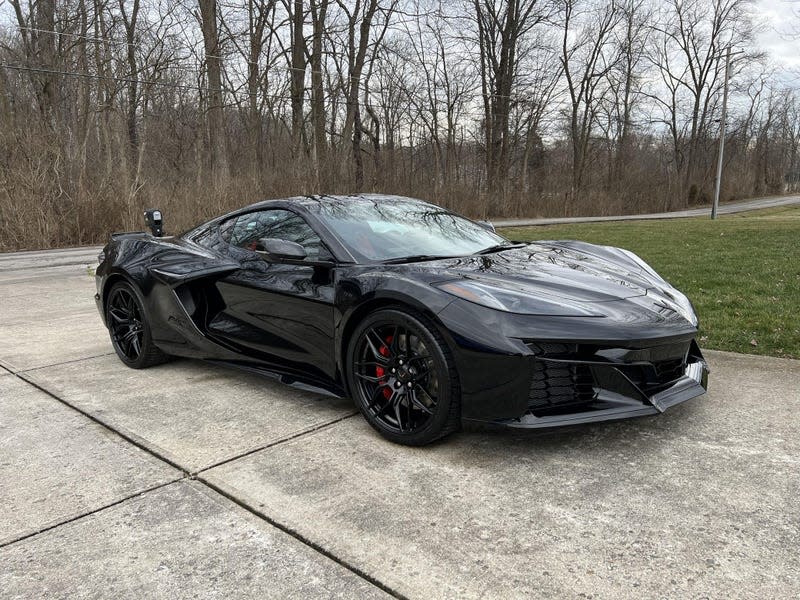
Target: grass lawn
742 272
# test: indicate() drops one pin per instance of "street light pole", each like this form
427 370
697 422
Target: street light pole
722 133
722 122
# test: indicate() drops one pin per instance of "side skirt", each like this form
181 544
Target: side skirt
291 379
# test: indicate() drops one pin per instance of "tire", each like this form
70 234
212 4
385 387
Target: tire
129 329
402 376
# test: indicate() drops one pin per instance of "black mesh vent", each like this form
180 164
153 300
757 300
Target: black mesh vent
559 388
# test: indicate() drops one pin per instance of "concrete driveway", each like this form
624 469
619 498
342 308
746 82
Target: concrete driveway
188 480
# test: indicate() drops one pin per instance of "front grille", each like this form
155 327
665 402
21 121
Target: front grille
559 388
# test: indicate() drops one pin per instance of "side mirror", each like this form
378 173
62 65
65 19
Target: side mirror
275 250
486 225
154 222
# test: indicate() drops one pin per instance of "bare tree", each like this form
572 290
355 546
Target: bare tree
37 30
626 82
360 20
502 26
490 107
543 75
298 71
213 61
129 21
446 84
319 13
692 36
588 56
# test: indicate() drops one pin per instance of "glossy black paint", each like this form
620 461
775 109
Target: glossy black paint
209 300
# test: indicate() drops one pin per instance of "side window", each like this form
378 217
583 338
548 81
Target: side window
245 230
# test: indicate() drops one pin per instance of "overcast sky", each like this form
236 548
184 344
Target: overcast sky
779 18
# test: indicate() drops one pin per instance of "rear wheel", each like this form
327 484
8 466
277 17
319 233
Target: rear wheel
129 329
402 377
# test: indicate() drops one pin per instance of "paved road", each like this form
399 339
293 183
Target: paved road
724 209
189 480
17 261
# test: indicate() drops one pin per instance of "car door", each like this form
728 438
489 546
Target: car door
282 313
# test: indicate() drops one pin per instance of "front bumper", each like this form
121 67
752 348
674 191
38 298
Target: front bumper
571 390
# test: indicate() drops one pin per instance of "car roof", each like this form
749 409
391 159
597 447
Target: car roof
305 204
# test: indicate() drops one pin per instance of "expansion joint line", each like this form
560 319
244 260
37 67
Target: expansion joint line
103 424
89 513
304 540
196 476
284 440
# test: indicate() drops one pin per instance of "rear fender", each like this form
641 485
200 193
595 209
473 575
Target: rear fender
173 279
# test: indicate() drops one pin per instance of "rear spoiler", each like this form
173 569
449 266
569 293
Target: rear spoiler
121 235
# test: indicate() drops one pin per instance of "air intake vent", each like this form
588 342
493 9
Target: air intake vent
559 388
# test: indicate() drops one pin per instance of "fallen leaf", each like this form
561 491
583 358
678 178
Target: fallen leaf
753 343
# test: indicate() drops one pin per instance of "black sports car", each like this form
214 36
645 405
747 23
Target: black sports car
422 316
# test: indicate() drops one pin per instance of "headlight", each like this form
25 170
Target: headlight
510 299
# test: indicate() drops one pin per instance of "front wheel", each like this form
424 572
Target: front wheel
402 377
129 329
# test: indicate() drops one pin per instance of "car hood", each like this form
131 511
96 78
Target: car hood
567 271
570 279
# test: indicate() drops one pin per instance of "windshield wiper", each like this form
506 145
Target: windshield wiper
414 258
423 257
499 248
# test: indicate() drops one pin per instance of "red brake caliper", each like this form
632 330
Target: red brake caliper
380 372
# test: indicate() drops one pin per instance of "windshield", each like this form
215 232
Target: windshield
387 230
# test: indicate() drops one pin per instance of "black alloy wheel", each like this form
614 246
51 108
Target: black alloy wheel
402 377
130 333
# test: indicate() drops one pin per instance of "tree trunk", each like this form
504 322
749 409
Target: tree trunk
319 9
216 116
357 58
46 44
257 18
133 72
298 77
